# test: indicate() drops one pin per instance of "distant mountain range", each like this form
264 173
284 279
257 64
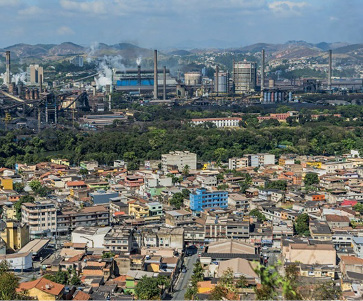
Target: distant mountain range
291 49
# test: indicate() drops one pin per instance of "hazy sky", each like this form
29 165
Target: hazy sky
166 23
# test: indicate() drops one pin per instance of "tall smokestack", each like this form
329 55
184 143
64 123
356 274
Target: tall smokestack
263 71
330 69
164 83
8 77
41 83
139 75
216 81
155 74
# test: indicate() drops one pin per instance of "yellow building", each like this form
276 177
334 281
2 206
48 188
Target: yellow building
314 164
42 289
138 209
60 161
9 212
15 235
7 184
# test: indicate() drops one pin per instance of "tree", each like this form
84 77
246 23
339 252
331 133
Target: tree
358 207
327 291
108 255
177 200
60 277
185 193
311 178
272 282
225 287
302 224
198 272
291 275
198 275
151 288
38 188
18 187
242 282
260 217
17 205
8 284
186 170
75 280
191 293
83 171
279 184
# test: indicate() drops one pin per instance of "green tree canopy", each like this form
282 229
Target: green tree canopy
302 224
260 217
311 178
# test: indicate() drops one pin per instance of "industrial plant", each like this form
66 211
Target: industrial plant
41 102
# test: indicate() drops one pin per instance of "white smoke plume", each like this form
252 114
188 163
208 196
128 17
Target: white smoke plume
105 67
138 61
92 50
21 76
3 77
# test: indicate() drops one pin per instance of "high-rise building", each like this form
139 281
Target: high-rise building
35 74
244 77
77 61
41 217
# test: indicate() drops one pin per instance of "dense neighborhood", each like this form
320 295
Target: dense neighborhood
182 228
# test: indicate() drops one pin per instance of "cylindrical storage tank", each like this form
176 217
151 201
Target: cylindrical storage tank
265 96
222 83
276 97
268 96
36 94
290 96
271 83
280 96
272 97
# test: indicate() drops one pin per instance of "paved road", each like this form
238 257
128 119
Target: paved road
182 283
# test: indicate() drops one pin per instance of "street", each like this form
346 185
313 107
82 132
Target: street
182 283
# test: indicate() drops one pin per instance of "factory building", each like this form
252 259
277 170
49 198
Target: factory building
142 80
244 77
192 78
35 74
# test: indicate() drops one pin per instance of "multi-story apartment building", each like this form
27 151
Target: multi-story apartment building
226 228
179 159
218 122
257 160
237 163
203 199
41 217
119 240
86 217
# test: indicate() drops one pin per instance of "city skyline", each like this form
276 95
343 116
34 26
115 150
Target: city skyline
175 23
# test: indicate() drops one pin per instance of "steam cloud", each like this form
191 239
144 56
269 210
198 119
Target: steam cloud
92 50
19 77
138 61
105 67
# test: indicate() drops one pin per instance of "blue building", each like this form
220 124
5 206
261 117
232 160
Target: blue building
202 199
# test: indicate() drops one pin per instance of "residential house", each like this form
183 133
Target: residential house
42 289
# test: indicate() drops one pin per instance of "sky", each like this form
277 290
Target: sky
180 23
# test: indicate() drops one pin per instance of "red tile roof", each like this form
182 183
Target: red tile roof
42 284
